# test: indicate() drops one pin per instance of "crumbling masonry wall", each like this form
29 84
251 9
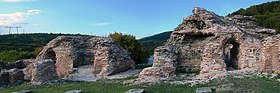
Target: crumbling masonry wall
216 46
69 52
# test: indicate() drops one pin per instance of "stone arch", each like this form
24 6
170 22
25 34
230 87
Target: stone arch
230 54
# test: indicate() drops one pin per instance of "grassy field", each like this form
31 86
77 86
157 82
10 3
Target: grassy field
252 85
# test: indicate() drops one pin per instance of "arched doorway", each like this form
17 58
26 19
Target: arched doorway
50 54
231 51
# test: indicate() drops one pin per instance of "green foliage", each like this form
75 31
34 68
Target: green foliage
239 85
24 46
12 55
129 43
102 87
266 14
37 50
26 42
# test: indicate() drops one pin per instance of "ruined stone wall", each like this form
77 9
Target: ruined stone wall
69 52
250 53
216 46
110 58
271 54
190 53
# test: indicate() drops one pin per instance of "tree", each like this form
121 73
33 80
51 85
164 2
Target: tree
266 14
130 43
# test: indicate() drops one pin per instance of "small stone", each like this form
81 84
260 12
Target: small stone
23 91
206 90
278 80
135 91
73 91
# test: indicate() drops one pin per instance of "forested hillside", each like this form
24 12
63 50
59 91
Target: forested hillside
23 46
151 42
266 14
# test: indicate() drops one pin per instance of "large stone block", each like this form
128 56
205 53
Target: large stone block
43 72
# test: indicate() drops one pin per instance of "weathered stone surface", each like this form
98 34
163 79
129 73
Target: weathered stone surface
15 75
71 52
20 64
43 72
4 77
12 76
206 90
135 91
153 72
16 72
74 91
28 72
271 54
217 46
110 58
3 65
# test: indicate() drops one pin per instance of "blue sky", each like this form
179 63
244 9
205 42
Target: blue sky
100 17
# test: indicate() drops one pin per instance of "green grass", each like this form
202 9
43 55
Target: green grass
100 87
251 84
255 85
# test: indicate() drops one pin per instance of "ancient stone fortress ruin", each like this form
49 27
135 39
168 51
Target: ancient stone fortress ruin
216 46
75 56
70 52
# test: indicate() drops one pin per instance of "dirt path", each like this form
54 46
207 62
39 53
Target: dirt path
84 73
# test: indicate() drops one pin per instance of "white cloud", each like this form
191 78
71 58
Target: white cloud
33 12
102 24
15 1
17 18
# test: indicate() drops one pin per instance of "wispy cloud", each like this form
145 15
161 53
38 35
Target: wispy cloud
17 18
16 1
102 24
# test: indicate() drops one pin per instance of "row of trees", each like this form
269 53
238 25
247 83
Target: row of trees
13 55
26 46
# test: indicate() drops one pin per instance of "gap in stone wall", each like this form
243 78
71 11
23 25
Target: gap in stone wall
51 55
231 52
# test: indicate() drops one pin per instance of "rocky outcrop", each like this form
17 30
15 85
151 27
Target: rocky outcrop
12 76
15 75
4 78
216 45
20 64
70 52
43 72
12 73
